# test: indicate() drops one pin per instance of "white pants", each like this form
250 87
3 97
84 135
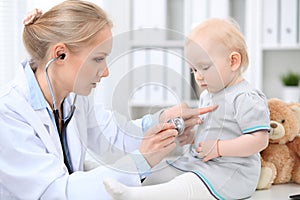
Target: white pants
171 183
166 183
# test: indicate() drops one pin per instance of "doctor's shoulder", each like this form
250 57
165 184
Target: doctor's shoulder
17 84
12 95
6 89
10 100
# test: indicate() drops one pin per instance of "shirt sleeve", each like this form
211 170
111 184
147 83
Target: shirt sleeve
142 165
150 120
251 112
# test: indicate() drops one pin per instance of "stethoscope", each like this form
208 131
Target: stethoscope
65 121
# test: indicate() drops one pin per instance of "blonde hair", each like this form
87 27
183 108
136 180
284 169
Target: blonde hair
226 32
72 22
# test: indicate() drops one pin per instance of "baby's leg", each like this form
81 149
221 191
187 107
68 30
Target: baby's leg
185 186
161 173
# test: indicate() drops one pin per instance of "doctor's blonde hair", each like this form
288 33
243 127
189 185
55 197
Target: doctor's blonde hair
72 22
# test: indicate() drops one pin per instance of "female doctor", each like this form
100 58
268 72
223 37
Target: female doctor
46 128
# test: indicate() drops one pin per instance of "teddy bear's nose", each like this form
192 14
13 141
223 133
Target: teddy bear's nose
273 125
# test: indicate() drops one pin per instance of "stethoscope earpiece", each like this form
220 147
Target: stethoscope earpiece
62 56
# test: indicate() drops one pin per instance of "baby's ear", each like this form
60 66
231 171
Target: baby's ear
235 60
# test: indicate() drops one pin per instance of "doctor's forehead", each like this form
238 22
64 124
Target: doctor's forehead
104 48
103 41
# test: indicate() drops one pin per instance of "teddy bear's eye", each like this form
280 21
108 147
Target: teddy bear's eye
282 121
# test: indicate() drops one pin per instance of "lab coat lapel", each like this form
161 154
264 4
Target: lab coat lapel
51 131
75 146
39 119
40 123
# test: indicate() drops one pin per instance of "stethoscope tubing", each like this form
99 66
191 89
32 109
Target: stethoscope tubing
49 83
55 109
66 120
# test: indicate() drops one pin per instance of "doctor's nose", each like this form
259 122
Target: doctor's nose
104 73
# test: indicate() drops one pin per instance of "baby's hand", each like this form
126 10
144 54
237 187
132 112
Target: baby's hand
208 150
187 137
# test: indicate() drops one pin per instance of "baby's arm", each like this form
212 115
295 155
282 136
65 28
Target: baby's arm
243 146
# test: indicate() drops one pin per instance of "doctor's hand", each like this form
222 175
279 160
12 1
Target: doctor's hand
158 142
189 115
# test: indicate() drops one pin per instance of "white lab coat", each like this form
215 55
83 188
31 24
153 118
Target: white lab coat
31 158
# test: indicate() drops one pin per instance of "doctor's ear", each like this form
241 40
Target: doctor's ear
59 51
235 60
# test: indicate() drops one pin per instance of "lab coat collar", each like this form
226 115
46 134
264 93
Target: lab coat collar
37 99
40 121
40 105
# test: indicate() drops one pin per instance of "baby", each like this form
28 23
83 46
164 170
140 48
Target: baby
224 161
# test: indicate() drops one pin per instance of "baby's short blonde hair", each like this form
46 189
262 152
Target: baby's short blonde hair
226 32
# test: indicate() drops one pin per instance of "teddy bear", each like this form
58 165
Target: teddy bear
280 161
294 147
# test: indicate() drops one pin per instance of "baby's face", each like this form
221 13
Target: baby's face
210 63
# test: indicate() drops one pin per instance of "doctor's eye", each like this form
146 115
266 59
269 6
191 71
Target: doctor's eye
99 59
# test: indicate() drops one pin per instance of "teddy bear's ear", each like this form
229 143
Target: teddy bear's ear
296 108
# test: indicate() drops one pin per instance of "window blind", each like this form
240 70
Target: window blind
10 41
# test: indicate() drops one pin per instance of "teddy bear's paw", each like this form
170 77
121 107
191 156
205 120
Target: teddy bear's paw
266 178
